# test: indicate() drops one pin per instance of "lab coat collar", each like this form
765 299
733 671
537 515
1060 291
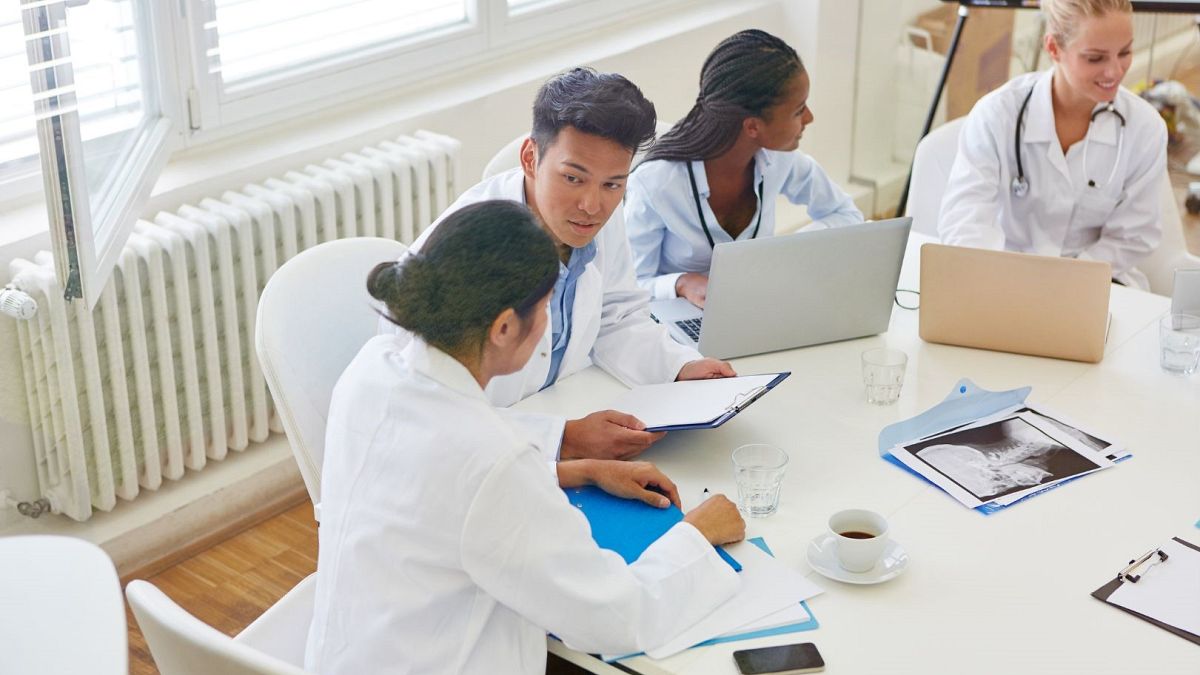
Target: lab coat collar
1039 120
1039 117
444 369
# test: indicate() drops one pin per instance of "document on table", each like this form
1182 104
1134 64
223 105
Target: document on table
694 403
768 588
1169 592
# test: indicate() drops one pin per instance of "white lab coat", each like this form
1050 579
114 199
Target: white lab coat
610 322
664 229
446 547
1061 215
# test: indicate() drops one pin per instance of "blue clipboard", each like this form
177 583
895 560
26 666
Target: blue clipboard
734 408
966 403
628 526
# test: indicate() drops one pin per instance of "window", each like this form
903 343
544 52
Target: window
100 90
97 108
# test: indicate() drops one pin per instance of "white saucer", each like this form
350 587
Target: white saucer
823 559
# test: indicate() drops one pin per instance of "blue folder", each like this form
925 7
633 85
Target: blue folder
628 526
966 403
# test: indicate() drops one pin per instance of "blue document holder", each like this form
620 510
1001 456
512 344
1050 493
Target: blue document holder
734 408
628 526
966 403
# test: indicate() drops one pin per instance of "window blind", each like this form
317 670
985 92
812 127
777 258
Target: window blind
251 38
106 86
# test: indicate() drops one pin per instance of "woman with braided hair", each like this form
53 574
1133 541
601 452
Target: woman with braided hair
715 175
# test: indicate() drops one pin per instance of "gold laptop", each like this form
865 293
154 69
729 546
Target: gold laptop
1014 302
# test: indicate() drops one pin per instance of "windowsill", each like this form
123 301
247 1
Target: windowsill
253 155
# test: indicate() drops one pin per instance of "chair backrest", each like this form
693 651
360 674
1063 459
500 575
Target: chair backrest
313 317
60 608
1171 254
181 644
930 171
509 156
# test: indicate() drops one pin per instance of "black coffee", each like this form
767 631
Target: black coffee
853 534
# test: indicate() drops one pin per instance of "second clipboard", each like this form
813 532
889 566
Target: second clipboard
695 404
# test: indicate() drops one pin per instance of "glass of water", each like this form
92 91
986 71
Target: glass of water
1179 343
758 470
883 373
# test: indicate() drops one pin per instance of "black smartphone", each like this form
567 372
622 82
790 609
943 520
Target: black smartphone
781 660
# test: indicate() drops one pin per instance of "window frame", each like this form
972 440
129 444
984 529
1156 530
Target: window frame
87 240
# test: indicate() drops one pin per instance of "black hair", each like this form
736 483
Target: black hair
746 74
481 260
602 104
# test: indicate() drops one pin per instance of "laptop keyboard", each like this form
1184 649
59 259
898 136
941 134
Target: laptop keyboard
691 327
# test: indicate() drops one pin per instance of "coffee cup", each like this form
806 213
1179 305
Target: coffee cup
860 538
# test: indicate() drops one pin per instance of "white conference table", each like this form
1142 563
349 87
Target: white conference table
1006 593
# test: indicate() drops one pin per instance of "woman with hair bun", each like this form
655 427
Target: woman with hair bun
446 544
715 175
1064 162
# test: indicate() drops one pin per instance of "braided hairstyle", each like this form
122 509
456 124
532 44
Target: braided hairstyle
746 74
481 260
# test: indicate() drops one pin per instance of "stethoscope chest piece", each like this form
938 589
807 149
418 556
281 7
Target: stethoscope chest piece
1020 186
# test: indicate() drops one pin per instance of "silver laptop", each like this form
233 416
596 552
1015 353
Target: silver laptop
793 291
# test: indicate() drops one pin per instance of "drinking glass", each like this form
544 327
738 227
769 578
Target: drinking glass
758 470
883 373
1179 343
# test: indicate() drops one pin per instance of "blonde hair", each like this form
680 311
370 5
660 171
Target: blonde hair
1064 16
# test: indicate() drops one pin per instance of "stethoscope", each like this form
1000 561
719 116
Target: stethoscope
1020 184
700 211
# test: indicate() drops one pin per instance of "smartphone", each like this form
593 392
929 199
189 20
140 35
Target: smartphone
782 660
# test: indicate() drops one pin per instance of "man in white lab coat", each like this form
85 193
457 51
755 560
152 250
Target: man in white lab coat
574 167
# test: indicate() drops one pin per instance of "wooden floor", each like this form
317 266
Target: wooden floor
232 583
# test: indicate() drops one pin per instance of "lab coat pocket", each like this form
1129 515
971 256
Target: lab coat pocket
1094 207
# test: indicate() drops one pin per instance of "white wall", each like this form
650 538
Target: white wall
484 111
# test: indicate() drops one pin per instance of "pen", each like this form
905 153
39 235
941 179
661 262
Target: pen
705 495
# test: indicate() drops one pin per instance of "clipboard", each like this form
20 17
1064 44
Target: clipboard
1108 589
635 400
628 526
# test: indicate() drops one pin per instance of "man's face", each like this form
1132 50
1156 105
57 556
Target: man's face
576 184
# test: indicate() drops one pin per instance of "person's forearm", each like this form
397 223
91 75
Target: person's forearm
575 473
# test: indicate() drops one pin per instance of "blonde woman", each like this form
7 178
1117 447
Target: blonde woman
1064 162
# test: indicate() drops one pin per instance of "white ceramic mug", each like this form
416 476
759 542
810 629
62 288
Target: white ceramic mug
858 553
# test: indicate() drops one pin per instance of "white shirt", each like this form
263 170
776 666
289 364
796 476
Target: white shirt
1061 215
610 322
664 228
446 547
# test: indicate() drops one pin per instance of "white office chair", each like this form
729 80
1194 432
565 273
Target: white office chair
60 608
313 317
931 169
181 644
509 156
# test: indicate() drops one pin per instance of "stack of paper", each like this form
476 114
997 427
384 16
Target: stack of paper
1004 457
770 596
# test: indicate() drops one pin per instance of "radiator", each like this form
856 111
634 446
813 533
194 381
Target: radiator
162 377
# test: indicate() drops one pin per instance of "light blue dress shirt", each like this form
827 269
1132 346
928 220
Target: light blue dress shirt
562 304
664 230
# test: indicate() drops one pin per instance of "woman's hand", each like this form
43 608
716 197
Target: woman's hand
718 520
692 286
630 480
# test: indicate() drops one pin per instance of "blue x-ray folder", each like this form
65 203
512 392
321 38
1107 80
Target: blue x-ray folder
628 526
966 403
